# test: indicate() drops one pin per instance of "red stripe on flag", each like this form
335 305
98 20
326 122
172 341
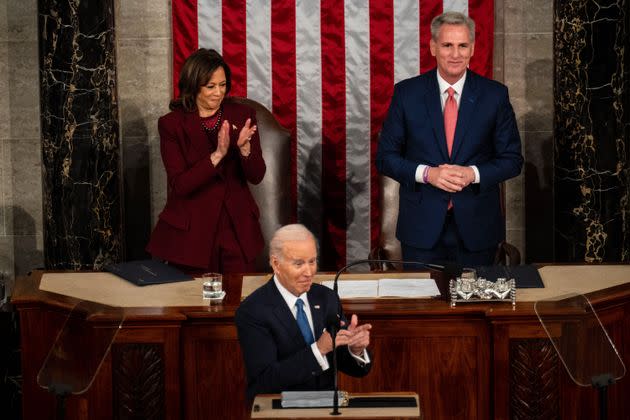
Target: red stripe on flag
482 12
235 43
283 79
381 88
428 10
185 36
333 73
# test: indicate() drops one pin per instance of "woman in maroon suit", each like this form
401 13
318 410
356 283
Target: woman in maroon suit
210 150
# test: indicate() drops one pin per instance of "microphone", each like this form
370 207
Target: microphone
333 323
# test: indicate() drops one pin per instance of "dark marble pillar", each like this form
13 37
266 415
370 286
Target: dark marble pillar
80 140
592 118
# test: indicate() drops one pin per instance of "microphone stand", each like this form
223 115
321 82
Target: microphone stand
335 411
333 329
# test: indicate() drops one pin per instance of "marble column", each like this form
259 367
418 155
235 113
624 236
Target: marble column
592 120
79 130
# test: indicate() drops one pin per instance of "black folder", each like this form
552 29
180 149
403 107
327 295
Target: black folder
147 272
526 276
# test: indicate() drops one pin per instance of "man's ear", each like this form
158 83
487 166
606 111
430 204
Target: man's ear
273 262
433 47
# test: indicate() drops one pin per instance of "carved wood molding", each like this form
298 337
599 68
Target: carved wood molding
138 381
534 380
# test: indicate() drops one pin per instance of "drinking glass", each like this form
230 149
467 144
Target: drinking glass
212 285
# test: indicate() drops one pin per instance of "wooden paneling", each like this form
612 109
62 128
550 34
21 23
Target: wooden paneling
534 389
425 356
214 376
138 381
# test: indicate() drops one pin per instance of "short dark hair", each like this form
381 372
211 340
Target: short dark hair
452 18
195 73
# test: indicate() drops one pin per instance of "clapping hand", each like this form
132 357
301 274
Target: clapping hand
245 136
356 337
223 143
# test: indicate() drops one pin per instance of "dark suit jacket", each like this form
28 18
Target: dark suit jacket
197 191
486 136
276 356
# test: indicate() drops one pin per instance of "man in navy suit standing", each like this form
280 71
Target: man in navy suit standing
450 138
281 325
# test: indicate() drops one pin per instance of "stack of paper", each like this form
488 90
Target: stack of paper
303 399
401 288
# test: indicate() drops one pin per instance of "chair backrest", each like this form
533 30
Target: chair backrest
273 194
389 247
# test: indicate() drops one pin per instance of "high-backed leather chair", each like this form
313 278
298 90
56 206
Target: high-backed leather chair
273 194
389 247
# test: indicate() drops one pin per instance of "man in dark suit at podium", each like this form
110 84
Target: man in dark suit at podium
281 326
450 138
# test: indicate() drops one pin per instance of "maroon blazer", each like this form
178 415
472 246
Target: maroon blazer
187 227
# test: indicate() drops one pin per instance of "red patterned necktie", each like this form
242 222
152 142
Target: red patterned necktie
450 119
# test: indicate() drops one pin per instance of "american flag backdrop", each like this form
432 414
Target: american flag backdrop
326 69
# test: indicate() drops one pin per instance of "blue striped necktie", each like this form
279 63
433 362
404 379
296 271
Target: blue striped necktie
302 322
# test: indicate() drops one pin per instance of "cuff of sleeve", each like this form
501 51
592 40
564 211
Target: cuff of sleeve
363 359
420 173
323 362
477 177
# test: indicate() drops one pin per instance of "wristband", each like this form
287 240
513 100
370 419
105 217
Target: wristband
425 175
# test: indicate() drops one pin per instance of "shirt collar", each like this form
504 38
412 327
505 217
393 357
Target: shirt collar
457 86
289 297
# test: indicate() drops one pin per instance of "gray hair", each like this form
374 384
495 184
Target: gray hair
294 232
452 18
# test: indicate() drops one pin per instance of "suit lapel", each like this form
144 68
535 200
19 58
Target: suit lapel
198 138
434 106
465 112
317 312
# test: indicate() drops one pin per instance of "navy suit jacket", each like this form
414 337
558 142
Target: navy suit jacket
276 356
486 135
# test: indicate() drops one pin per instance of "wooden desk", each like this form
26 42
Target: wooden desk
475 361
262 409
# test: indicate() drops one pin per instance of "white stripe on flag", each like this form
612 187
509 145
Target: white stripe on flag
455 6
259 52
309 114
357 36
406 39
209 24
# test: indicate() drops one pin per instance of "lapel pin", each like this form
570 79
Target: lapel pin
316 306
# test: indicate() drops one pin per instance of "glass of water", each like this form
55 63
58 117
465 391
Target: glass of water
212 285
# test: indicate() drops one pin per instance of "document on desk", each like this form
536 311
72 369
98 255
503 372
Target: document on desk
348 289
411 288
399 288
